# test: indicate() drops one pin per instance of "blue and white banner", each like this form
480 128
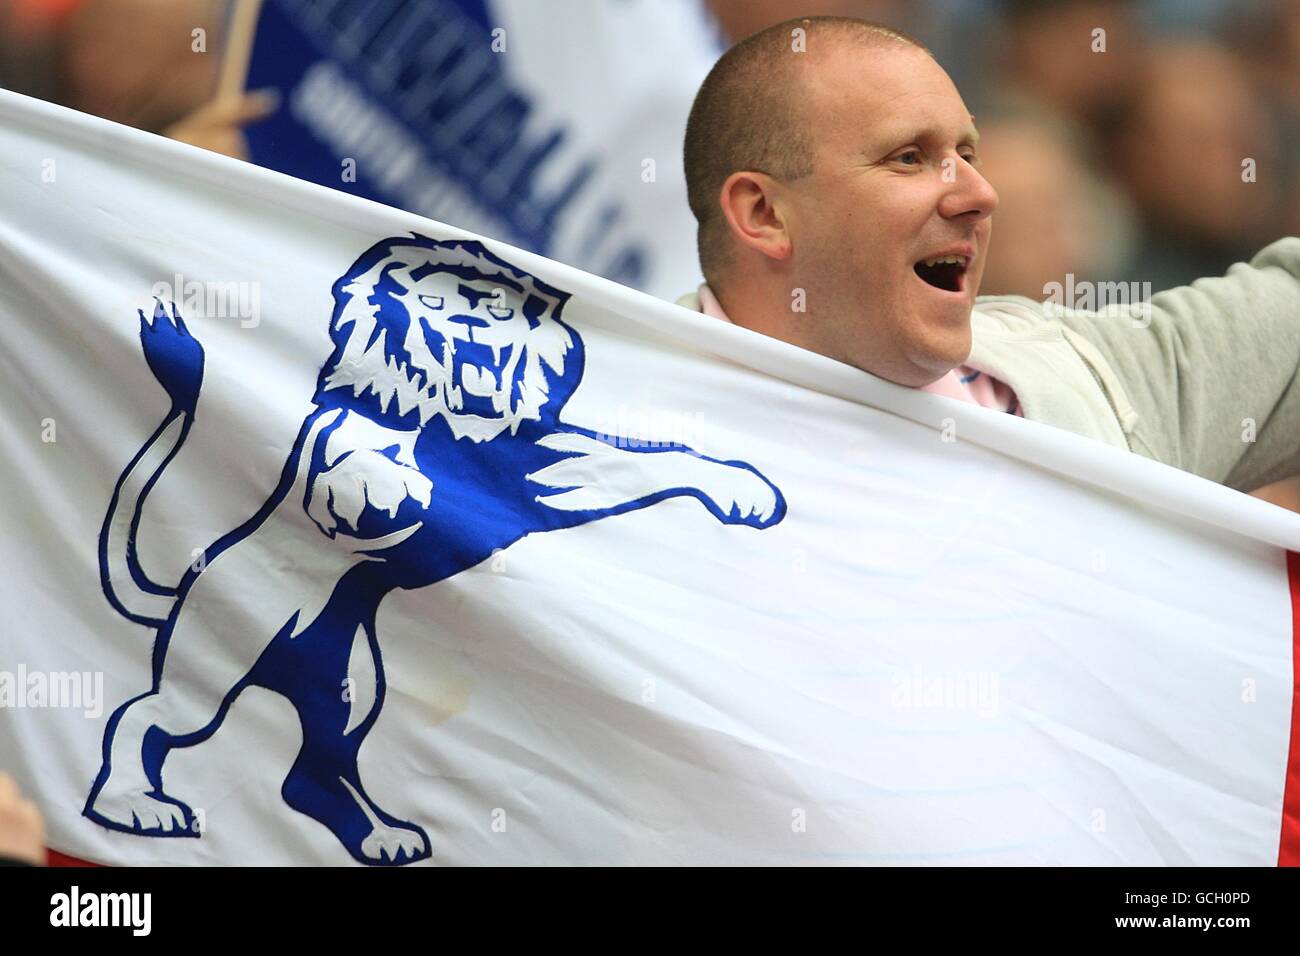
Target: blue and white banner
555 127
336 535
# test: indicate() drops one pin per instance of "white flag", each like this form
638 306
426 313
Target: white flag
334 534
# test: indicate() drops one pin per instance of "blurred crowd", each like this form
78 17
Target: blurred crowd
1153 141
1164 156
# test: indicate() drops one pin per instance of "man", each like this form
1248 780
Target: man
833 170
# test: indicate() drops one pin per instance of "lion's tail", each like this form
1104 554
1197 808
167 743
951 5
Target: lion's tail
176 359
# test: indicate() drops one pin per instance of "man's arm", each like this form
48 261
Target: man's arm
1284 494
22 830
1216 356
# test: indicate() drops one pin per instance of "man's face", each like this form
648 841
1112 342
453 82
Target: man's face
892 187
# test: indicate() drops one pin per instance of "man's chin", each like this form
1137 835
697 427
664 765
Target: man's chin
934 360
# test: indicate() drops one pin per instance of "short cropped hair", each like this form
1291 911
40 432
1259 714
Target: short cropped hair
746 117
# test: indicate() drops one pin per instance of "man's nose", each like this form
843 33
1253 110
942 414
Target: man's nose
971 196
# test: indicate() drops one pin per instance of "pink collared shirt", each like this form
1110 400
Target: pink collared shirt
963 383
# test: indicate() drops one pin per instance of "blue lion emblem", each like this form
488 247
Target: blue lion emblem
435 441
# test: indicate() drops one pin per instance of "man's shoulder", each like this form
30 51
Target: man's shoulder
690 300
1010 313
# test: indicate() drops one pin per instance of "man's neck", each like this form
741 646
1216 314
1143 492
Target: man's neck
769 313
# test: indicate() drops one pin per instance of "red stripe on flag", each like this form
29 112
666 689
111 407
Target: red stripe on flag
56 858
1288 853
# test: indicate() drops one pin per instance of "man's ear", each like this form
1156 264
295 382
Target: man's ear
753 205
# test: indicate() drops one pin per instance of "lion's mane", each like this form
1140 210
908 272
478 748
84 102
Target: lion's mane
371 370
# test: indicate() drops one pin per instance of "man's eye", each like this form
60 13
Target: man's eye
432 301
500 313
914 154
971 158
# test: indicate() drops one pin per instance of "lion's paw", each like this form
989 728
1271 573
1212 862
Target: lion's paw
393 844
137 812
744 497
365 479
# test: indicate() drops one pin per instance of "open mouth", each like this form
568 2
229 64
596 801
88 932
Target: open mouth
479 377
477 368
944 272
